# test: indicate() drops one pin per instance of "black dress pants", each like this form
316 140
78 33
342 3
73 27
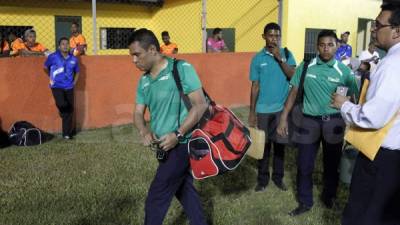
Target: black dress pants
65 103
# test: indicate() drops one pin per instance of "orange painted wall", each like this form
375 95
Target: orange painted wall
105 93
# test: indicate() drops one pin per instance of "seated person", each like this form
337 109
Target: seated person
168 47
4 47
31 47
16 44
216 43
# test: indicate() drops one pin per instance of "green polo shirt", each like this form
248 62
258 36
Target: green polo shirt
162 97
273 83
320 83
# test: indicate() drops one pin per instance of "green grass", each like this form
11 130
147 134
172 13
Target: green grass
102 176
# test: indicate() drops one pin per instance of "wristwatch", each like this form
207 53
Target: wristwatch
179 136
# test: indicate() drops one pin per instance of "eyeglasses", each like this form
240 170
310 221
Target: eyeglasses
376 25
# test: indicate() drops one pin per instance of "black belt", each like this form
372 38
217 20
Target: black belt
324 117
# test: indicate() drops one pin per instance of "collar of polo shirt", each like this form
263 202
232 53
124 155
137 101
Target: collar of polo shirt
330 63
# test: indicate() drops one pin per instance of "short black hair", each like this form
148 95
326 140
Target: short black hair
271 26
75 23
395 9
62 39
367 64
327 33
164 33
217 30
145 38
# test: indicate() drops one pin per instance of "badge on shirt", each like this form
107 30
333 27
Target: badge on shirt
334 80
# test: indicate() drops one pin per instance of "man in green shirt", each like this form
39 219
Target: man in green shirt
320 122
170 126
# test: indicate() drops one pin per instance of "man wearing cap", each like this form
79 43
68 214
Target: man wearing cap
344 52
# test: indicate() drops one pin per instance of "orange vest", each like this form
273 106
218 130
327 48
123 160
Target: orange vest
5 47
77 44
168 49
17 45
37 47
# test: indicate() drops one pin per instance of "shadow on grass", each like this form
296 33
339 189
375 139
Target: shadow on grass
235 182
117 212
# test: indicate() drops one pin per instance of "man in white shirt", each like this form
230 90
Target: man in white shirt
375 187
370 55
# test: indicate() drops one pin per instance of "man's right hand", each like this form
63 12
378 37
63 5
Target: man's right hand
252 119
283 129
148 138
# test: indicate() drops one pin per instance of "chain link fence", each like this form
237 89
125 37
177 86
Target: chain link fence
185 20
242 22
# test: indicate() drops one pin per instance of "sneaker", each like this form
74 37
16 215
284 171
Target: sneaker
67 137
260 188
328 202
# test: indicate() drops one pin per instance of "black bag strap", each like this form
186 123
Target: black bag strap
286 53
223 137
300 91
178 83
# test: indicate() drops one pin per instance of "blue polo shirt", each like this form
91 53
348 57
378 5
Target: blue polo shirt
274 86
343 50
62 70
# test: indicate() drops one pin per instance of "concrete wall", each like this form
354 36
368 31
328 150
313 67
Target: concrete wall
105 93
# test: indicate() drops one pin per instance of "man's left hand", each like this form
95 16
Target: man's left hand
168 141
338 100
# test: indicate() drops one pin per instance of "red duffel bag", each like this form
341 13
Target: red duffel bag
219 142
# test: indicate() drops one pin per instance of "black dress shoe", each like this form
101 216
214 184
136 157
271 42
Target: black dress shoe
260 188
328 202
299 210
281 185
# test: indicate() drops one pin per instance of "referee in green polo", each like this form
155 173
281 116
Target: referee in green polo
157 91
320 123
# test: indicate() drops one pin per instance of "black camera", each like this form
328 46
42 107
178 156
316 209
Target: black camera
161 155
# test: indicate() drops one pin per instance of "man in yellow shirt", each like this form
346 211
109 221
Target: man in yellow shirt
77 41
168 47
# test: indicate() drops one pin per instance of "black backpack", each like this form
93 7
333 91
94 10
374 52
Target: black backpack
23 133
4 142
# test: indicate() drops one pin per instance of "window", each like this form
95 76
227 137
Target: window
17 30
228 36
115 38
